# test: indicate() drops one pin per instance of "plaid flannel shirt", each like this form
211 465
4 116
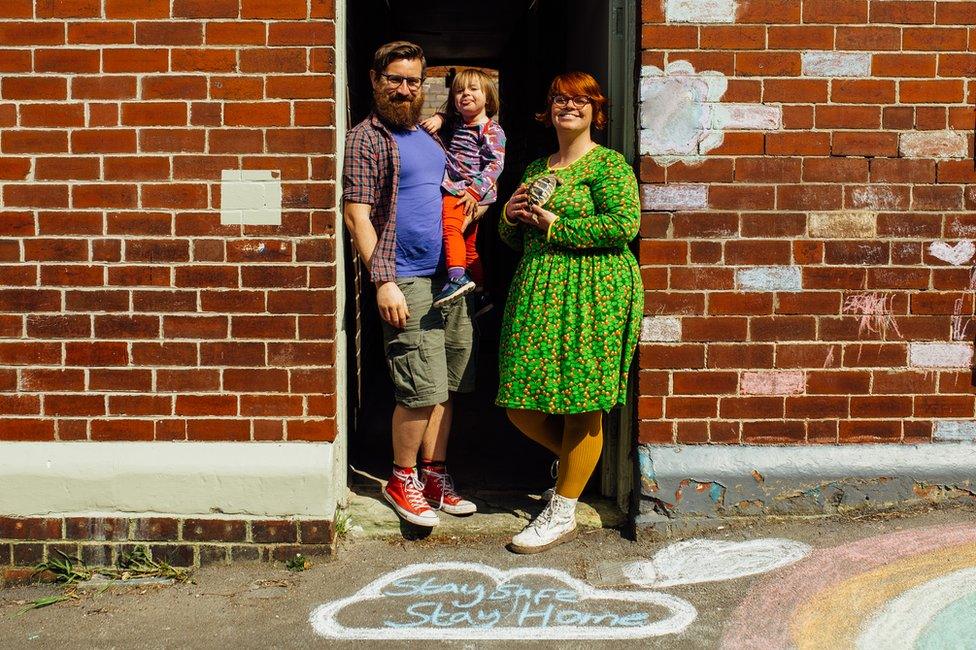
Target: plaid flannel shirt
371 174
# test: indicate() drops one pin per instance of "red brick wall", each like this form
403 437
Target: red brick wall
849 157
127 311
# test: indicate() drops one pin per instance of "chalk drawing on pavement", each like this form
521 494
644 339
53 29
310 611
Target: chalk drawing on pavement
706 560
462 600
910 589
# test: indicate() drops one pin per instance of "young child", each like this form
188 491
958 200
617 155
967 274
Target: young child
476 153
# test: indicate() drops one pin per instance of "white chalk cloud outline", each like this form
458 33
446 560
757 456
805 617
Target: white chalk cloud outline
324 619
707 560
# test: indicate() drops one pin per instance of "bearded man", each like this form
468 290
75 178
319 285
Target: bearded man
392 209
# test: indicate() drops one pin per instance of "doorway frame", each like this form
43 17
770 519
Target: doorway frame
618 473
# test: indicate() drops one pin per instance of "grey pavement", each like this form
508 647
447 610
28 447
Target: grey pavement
253 605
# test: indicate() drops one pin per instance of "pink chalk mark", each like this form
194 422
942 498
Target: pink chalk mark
762 619
959 323
874 311
773 383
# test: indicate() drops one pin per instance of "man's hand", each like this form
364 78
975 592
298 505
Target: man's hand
432 124
392 304
467 203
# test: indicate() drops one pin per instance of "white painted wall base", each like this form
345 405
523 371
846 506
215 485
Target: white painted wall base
225 479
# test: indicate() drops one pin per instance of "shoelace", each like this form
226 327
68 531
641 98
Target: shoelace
545 517
446 485
412 489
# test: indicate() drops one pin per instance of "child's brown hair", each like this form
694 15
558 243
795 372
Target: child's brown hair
461 80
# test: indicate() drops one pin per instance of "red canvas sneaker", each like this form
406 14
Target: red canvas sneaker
403 492
440 493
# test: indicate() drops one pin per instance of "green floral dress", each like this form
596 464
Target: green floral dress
574 308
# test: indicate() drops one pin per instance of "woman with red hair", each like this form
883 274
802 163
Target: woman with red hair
574 309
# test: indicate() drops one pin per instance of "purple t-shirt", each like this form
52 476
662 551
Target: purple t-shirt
419 234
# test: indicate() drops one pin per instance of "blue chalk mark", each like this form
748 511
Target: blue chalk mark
952 627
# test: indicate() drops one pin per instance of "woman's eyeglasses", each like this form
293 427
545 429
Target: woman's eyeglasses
394 81
579 101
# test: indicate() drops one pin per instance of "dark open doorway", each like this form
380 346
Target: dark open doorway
527 42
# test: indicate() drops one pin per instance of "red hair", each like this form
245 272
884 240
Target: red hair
573 84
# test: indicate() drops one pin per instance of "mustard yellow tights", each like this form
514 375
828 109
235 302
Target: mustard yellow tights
577 439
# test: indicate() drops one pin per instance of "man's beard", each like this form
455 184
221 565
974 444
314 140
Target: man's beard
399 113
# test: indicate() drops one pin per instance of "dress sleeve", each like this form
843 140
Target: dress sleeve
617 211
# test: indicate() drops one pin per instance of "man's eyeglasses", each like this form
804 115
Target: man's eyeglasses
579 101
394 81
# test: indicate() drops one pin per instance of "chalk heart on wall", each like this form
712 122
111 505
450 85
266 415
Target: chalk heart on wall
957 254
706 560
463 600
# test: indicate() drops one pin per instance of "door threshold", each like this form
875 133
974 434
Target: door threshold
499 513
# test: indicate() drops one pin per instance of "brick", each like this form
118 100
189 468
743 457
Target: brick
34 88
903 65
214 530
836 64
135 60
169 33
877 197
154 529
842 225
80 405
138 9
940 355
204 60
933 144
870 430
848 117
235 33
116 429
14 34
799 37
835 11
806 144
173 381
771 170
949 91
816 407
902 11
218 429
101 33
768 64
772 432
135 405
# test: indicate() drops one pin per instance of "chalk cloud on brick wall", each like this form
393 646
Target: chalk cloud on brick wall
682 119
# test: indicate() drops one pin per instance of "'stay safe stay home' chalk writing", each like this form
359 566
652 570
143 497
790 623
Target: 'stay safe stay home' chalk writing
475 604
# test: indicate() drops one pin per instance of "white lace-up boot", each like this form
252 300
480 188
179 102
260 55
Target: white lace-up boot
554 525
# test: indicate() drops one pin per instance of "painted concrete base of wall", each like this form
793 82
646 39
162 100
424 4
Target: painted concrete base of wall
190 503
685 488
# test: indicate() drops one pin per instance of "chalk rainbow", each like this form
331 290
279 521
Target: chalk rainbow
911 589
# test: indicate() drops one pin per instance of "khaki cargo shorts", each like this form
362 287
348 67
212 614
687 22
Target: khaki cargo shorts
436 351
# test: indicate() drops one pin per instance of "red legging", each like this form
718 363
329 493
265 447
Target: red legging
459 249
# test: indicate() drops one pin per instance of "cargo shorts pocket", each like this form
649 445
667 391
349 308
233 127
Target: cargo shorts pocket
409 371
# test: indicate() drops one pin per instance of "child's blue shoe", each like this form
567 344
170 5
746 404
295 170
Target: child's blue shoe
454 289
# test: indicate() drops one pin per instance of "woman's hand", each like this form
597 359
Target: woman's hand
542 218
517 208
432 124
